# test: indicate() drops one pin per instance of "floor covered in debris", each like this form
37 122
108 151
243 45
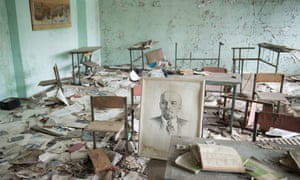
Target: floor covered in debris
46 138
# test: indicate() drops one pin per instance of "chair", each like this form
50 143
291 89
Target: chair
268 96
108 102
265 98
214 88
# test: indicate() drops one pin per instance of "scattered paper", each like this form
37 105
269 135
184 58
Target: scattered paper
133 76
281 133
74 108
61 97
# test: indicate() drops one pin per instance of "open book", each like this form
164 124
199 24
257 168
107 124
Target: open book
188 162
218 158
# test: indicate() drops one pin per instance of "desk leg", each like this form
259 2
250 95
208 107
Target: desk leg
143 59
232 108
78 68
132 113
131 63
73 75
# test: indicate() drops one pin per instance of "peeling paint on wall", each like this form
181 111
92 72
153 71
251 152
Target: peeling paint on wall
198 26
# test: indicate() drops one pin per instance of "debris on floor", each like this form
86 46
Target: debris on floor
47 138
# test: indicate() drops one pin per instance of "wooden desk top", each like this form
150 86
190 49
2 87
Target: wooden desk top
216 78
85 50
245 149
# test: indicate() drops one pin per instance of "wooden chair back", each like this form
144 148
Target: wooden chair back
109 102
267 77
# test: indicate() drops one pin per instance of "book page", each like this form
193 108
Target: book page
220 158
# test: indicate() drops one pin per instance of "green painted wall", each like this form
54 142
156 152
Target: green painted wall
198 26
7 77
30 55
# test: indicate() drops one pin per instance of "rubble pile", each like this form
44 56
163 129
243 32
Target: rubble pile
46 137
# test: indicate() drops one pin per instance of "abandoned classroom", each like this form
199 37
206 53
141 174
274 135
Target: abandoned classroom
149 89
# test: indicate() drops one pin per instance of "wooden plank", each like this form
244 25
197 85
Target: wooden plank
100 160
53 81
108 101
90 64
155 55
106 126
268 77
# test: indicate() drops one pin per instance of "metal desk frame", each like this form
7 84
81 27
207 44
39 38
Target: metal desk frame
217 59
275 49
141 48
80 55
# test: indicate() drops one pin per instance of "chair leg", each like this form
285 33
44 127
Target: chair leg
94 140
245 114
223 115
126 133
255 128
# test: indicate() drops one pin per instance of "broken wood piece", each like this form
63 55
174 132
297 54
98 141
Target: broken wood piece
53 81
90 64
155 55
186 71
100 160
76 147
45 131
30 156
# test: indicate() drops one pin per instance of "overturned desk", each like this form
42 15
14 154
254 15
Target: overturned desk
245 149
79 56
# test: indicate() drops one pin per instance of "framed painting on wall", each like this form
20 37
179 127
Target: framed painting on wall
46 14
169 107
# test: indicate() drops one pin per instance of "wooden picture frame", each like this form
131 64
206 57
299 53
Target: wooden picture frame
154 138
46 14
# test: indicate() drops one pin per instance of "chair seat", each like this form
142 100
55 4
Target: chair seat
272 97
106 126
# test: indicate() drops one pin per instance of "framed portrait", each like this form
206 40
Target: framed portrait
46 14
169 106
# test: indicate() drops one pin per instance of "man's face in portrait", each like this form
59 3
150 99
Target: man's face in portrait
170 104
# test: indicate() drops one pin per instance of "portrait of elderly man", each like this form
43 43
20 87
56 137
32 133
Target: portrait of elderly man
170 104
